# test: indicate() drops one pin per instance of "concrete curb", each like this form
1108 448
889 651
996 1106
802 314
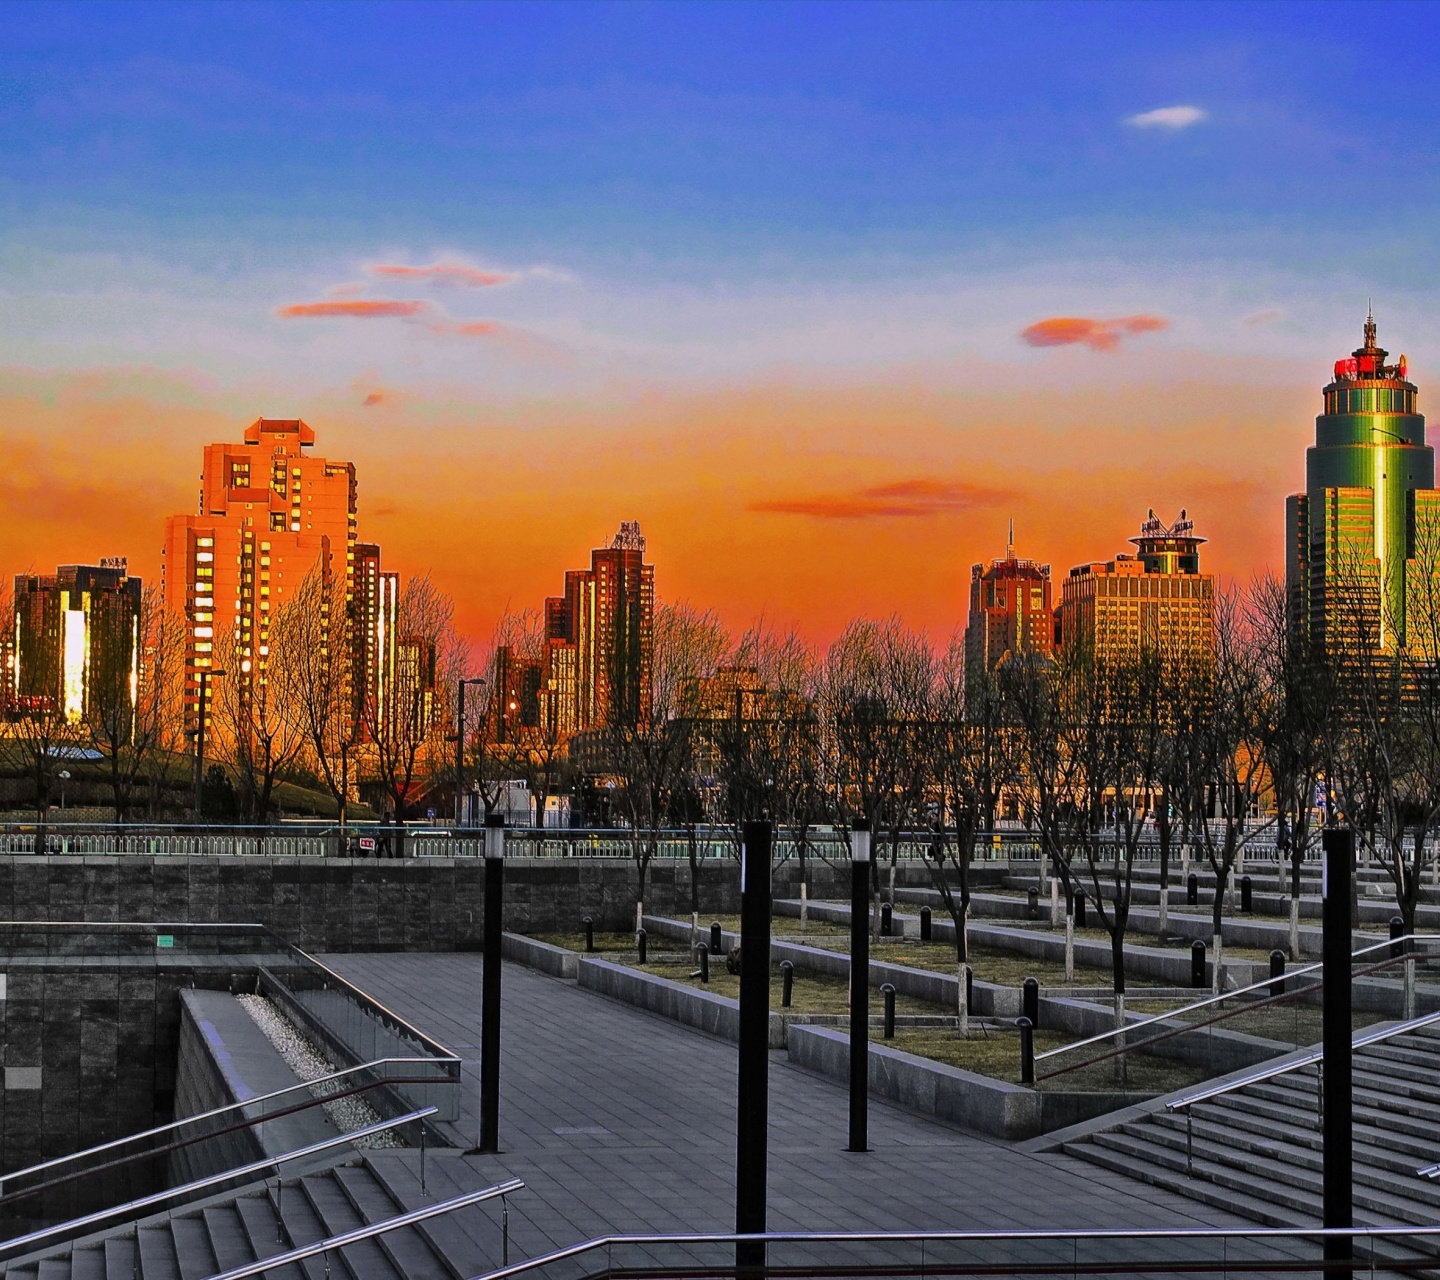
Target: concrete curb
558 962
702 1010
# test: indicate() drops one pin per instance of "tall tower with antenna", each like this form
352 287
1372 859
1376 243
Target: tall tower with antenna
1357 534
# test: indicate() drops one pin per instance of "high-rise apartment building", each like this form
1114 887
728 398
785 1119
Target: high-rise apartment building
269 512
1369 519
75 643
374 633
600 637
1011 611
1155 598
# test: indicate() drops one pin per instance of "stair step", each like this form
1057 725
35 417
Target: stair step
228 1239
1387 1141
1271 1179
193 1251
365 1260
411 1256
301 1223
157 1254
461 1252
120 1258
257 1216
53 1268
87 1263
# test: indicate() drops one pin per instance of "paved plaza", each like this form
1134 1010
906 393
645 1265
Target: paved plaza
619 1121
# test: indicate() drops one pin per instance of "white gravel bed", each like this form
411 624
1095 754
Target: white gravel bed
303 1056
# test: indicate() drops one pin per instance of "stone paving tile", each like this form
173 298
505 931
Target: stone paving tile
665 1095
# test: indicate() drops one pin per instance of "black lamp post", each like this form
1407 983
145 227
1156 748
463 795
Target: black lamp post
753 1093
859 985
490 984
1336 1030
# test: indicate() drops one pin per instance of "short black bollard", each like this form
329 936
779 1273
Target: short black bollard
1030 1001
1079 908
589 933
1247 894
1027 1050
887 919
925 925
888 991
717 938
1192 890
787 983
704 963
1032 902
1277 971
1197 965
1397 931
640 941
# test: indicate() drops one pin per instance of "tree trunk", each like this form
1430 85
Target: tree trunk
1070 947
962 971
1217 984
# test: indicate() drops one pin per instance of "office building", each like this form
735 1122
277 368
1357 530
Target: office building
1153 599
270 511
1368 521
74 651
600 638
1011 611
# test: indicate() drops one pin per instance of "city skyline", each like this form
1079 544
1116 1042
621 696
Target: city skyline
810 292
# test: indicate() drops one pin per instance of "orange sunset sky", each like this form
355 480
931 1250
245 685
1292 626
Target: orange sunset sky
807 503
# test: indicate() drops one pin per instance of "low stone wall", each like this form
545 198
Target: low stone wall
365 904
702 1010
558 962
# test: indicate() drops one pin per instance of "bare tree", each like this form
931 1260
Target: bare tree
649 753
967 745
406 727
315 678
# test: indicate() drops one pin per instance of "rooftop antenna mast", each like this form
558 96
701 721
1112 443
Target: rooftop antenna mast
1010 545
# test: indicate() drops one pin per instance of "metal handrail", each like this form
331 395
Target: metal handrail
1227 995
214 1179
501 1189
203 1115
976 1237
1308 1058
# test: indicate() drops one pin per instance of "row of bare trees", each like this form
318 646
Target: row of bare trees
308 710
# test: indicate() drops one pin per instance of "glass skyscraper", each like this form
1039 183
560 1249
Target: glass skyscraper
1369 515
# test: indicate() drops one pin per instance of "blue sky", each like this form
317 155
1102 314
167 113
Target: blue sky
871 203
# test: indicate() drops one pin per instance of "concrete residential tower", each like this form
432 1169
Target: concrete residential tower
1369 509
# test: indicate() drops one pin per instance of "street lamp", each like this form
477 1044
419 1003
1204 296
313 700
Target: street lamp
203 676
64 778
460 745
859 985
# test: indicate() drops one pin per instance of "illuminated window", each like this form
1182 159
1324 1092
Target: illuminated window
204 542
204 556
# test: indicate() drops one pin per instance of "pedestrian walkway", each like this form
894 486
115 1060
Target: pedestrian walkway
619 1121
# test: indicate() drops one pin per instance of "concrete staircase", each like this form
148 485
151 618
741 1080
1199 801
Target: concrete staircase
197 1241
1258 1150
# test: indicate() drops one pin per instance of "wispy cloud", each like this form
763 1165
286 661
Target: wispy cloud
1171 118
374 398
904 499
445 273
1098 335
356 308
475 329
1268 316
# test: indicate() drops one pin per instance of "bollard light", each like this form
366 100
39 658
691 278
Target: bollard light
926 927
1030 1001
787 983
1277 971
640 941
589 924
1247 894
1192 890
1197 964
717 939
887 919
1079 908
704 963
1027 1050
1397 931
888 991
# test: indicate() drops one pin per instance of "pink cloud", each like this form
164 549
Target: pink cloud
1098 335
445 273
359 308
